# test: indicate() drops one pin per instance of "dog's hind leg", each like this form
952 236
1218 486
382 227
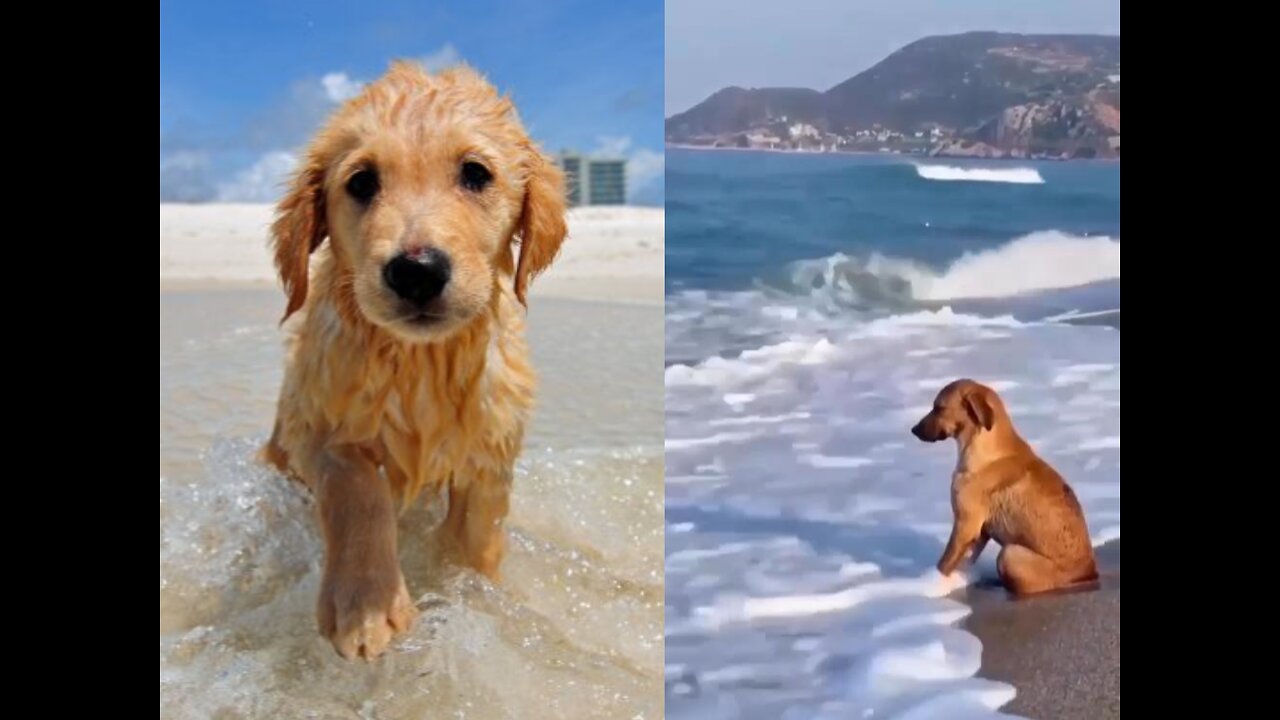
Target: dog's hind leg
476 514
1026 572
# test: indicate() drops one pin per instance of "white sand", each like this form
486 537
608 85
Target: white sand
612 253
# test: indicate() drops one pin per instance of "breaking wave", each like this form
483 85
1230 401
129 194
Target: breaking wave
1017 175
1039 261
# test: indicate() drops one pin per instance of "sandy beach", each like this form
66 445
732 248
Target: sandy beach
612 253
1061 652
574 630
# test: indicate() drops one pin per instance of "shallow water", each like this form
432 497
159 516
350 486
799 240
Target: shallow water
574 630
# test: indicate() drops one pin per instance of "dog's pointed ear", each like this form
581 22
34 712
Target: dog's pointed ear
978 405
299 228
542 223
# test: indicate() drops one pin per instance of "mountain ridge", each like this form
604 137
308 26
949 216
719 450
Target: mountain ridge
981 93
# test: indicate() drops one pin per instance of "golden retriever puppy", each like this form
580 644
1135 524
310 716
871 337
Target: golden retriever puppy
1002 490
407 369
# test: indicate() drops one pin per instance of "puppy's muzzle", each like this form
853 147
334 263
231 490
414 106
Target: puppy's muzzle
924 431
418 276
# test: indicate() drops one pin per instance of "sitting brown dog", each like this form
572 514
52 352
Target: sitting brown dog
1002 490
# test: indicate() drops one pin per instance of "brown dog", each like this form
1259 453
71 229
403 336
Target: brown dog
406 244
1002 490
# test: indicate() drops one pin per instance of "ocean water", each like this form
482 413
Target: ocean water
815 305
574 629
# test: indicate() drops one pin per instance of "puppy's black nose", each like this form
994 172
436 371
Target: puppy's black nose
418 277
918 431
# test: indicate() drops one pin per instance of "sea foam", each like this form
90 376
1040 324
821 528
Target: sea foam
1017 175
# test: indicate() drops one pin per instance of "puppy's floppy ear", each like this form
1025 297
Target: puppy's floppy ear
979 408
299 228
542 223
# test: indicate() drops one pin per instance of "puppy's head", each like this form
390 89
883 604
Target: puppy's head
961 409
422 184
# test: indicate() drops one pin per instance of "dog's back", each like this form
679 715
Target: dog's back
1036 508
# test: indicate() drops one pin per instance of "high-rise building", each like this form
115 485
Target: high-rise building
594 180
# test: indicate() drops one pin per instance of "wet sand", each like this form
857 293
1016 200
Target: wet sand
1061 652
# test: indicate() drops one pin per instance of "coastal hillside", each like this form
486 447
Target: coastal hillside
979 94
734 109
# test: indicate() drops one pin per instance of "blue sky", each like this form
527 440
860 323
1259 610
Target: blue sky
711 44
244 83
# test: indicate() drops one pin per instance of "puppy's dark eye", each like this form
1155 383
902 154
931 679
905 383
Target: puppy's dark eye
475 177
363 185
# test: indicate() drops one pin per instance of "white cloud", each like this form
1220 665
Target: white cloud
262 181
184 160
184 177
643 166
612 145
339 86
440 59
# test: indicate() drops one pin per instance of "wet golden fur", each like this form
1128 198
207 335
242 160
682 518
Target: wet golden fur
376 406
1001 490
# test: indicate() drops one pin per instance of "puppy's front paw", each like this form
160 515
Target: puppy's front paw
948 583
361 612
